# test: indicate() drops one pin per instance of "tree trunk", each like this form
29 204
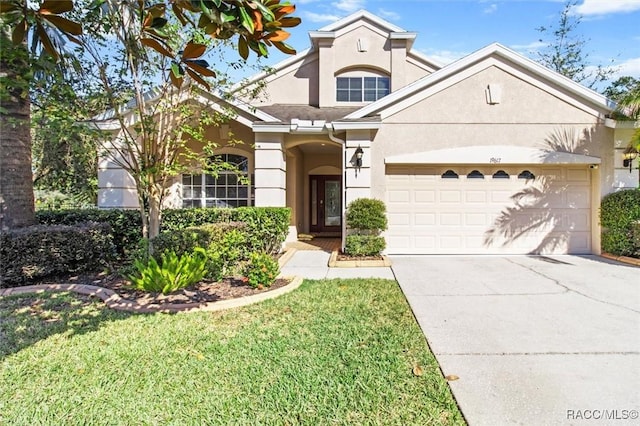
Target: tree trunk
16 184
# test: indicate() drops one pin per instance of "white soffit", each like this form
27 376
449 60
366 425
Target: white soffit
492 154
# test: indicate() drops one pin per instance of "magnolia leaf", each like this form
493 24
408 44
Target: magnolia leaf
193 50
267 14
19 31
289 21
156 45
257 20
262 49
417 370
73 39
243 48
246 20
285 9
176 69
198 79
451 377
280 35
64 25
55 7
178 12
157 10
158 23
200 69
46 41
284 48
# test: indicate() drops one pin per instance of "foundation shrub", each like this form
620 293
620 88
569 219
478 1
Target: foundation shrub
620 220
261 270
172 273
365 218
44 250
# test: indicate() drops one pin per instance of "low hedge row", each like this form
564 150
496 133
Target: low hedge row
266 227
125 225
620 220
42 250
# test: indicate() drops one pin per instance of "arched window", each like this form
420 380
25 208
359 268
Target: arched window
449 174
475 175
229 187
526 174
501 174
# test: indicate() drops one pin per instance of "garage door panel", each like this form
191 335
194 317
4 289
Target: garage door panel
506 215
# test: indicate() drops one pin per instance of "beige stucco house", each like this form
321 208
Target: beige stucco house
491 154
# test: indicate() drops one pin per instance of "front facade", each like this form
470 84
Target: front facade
490 154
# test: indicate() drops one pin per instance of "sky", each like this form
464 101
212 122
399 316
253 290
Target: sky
450 29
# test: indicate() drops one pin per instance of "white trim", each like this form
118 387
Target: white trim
492 154
356 16
354 125
621 124
450 71
422 61
270 128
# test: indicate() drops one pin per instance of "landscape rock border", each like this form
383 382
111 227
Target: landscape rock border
115 302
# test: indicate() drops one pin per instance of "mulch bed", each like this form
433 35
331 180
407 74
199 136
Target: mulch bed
341 256
203 292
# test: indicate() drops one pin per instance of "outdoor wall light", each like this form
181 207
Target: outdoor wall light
628 156
359 154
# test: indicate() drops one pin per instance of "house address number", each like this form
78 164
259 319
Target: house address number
495 160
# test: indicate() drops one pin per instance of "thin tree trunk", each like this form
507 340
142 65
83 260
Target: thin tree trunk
16 180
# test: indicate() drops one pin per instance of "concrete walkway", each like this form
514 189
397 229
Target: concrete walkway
533 340
314 265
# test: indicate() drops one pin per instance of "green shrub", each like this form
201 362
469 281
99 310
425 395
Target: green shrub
366 214
44 250
261 270
125 225
364 245
266 227
366 218
619 217
172 274
225 245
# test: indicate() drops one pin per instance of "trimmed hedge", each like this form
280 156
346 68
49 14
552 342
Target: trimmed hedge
43 250
366 218
620 220
266 227
125 225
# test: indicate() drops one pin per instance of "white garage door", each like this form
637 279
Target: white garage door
455 209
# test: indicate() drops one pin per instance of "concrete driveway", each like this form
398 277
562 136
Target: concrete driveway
533 340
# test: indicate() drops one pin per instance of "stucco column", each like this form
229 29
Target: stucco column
357 179
270 170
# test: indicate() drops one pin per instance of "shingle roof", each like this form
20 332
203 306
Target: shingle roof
307 112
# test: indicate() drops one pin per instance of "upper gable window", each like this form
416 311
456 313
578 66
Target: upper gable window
361 89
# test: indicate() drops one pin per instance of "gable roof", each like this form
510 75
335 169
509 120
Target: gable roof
359 16
445 77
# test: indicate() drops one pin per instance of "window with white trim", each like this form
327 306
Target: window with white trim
229 188
362 89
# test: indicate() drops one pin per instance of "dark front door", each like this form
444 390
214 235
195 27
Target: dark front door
326 203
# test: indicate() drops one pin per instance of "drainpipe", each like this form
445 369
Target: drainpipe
332 137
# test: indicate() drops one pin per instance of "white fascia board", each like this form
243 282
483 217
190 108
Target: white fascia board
621 124
356 125
478 56
359 15
315 35
494 155
270 128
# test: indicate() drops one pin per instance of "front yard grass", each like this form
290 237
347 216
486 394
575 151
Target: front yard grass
331 352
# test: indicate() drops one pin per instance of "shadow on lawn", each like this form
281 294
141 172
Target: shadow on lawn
28 318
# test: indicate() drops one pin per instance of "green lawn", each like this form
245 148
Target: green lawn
331 352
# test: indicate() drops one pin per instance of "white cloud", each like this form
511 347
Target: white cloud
605 7
629 67
320 17
490 9
390 15
534 45
349 5
444 57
